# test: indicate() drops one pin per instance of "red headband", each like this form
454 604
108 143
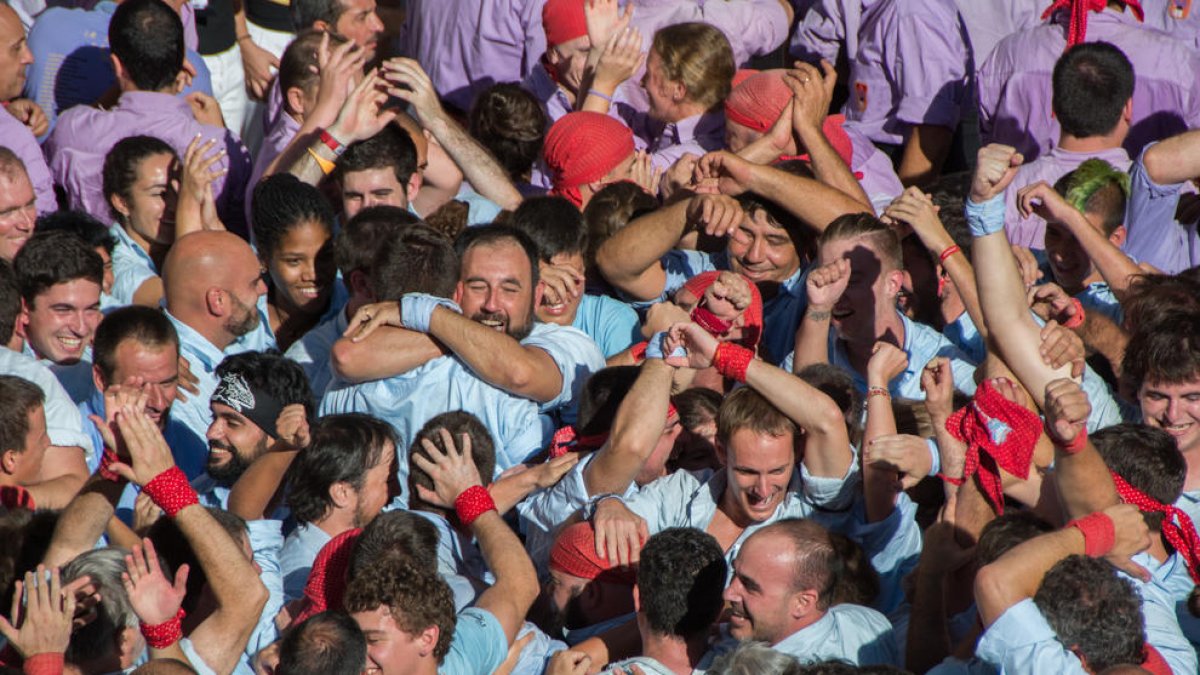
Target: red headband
583 147
999 434
1177 527
574 553
1079 9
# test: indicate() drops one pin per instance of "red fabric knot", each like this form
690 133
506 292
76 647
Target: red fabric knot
715 325
567 439
1075 320
732 361
1177 528
1098 532
171 492
1155 663
574 553
108 459
1079 9
472 503
16 497
752 316
563 21
326 586
165 634
999 435
584 147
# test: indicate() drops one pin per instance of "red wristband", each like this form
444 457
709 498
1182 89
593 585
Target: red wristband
108 459
16 497
715 325
1076 445
638 352
165 634
1099 533
335 146
952 480
46 663
472 503
1076 319
171 492
950 250
732 360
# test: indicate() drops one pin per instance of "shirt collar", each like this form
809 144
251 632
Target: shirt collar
153 101
196 344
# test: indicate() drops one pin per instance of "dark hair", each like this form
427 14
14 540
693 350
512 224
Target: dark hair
122 162
329 642
492 235
1146 457
1093 610
18 398
1005 532
554 225
858 582
147 36
1165 352
280 377
697 406
776 216
358 241
457 422
282 202
680 581
820 565
54 258
601 397
419 260
400 534
391 148
838 385
298 65
306 13
149 327
81 224
1092 82
1152 298
174 550
510 123
343 448
416 598
611 209
10 301
451 218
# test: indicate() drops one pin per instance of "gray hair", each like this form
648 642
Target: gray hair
114 613
755 658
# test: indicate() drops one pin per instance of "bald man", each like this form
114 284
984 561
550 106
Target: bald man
212 287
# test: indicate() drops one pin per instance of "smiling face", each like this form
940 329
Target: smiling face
869 301
149 213
1174 408
562 313
61 320
391 650
18 212
1073 269
302 269
372 187
760 595
497 288
762 250
759 467
234 442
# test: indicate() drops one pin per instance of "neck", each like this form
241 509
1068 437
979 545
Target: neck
729 507
679 655
681 111
287 321
1108 141
802 623
336 522
209 330
157 252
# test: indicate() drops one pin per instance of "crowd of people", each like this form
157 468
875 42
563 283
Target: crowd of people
578 336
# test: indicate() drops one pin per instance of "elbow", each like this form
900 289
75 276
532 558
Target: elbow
993 591
1156 163
341 359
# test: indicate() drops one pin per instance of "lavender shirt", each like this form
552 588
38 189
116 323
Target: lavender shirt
1179 19
879 179
753 27
911 68
1153 235
84 135
990 22
1015 83
1031 232
18 138
666 143
825 29
468 45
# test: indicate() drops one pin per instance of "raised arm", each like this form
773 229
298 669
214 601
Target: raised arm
1174 160
880 482
1001 291
411 84
825 286
260 486
457 485
374 346
1084 483
635 431
812 90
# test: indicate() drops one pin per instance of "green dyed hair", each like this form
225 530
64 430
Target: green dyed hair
1098 188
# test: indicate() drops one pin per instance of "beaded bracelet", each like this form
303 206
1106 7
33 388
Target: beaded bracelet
472 503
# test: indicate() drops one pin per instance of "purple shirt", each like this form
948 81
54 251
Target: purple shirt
821 33
990 22
84 135
1031 232
467 46
274 142
666 143
753 27
1015 83
879 179
911 68
1183 23
1153 235
18 138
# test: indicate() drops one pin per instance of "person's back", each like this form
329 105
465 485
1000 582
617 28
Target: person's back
1014 83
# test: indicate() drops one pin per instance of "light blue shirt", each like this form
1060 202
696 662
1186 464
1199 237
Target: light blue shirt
922 344
300 549
612 324
479 645
1164 606
132 266
444 384
858 635
76 378
1099 297
1189 503
1021 641
458 559
203 358
781 314
312 350
63 423
893 545
577 357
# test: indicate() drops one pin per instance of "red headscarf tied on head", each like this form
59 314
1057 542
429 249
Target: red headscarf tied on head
999 434
752 318
574 553
582 148
1077 26
564 21
1177 527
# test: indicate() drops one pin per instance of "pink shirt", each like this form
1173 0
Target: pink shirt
1031 232
1015 83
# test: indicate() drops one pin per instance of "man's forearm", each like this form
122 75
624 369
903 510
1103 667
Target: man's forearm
635 431
1103 335
478 166
67 473
639 246
385 353
813 202
829 168
496 358
812 339
83 521
516 580
1174 160
252 494
827 450
1018 573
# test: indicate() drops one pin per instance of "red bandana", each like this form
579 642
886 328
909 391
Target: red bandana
999 434
1177 527
326 585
